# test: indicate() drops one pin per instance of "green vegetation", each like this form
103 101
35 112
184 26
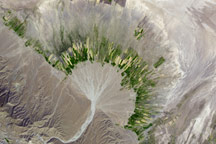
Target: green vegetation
7 140
172 140
14 23
75 49
212 138
159 62
139 33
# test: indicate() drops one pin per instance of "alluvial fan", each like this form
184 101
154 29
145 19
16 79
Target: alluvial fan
119 69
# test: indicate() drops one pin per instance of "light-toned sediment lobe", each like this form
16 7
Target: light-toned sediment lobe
102 87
